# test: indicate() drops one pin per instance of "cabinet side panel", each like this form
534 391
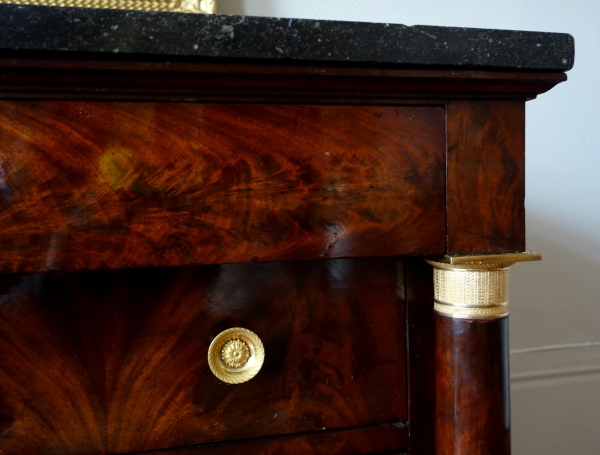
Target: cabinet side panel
421 336
486 177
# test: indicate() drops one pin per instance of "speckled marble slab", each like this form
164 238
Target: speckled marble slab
209 37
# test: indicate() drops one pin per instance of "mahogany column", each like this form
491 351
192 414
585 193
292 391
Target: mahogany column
472 410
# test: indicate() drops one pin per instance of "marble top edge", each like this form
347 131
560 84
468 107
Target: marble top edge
83 30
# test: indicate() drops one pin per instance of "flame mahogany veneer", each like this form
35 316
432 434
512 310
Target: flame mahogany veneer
98 185
124 351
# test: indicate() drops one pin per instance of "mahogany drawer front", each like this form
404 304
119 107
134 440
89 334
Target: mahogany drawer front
100 185
352 441
116 361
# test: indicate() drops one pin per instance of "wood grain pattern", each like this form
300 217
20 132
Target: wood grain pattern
472 411
107 185
486 177
388 439
116 361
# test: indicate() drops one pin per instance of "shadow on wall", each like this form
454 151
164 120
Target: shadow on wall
231 7
556 301
555 341
275 8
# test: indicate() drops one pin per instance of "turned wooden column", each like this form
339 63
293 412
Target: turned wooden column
472 405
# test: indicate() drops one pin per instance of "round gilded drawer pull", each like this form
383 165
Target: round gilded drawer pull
236 355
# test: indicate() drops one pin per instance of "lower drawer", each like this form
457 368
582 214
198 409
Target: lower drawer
354 441
116 361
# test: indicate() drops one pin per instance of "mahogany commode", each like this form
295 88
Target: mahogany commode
289 177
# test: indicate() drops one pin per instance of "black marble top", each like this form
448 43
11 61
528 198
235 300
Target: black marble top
202 37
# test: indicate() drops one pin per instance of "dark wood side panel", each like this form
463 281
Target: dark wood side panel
486 177
472 387
390 439
116 361
421 338
114 185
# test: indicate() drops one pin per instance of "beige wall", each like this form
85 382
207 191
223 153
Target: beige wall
555 322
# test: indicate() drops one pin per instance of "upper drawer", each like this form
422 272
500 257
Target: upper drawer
88 185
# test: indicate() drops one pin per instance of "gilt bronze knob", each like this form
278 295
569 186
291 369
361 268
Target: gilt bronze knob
236 355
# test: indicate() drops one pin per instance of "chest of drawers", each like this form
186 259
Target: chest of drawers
154 197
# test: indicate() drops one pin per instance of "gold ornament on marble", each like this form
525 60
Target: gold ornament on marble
474 287
236 355
174 6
